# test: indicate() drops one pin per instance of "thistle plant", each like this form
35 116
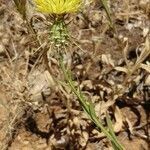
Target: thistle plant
59 37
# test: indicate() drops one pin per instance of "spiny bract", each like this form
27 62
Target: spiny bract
58 6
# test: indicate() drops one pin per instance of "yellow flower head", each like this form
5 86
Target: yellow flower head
58 6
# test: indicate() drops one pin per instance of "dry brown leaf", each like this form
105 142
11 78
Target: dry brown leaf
145 32
147 81
103 106
145 67
107 59
49 79
86 83
125 51
144 54
76 122
83 139
119 120
130 126
122 69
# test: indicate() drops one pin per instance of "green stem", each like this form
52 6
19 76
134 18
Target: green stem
89 109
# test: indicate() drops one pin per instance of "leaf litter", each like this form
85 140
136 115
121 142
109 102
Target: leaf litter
115 76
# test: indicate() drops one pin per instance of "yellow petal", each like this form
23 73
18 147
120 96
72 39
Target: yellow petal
58 6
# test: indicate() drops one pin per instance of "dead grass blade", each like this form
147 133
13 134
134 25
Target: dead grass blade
21 7
105 5
130 69
144 54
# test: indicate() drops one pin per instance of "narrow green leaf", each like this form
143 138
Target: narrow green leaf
105 5
88 107
115 142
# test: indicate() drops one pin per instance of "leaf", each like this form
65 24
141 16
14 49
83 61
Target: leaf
146 67
119 121
105 5
130 126
122 69
21 7
116 145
